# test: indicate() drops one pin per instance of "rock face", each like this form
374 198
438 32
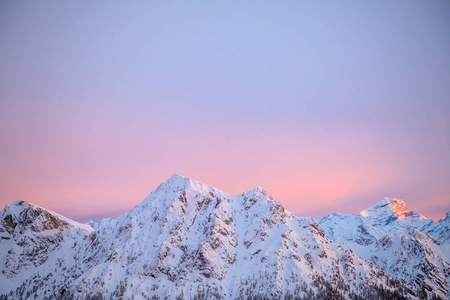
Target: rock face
406 246
188 240
30 234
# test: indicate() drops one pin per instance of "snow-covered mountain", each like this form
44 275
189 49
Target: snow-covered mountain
187 240
405 245
30 234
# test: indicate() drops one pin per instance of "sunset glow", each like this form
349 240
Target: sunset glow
327 108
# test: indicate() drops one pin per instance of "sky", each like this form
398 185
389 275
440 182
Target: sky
330 106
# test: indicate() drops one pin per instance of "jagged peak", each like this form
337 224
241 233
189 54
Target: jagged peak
179 193
16 208
179 182
390 206
256 191
21 203
394 205
170 190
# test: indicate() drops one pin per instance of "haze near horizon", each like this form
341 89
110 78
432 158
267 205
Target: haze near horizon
329 107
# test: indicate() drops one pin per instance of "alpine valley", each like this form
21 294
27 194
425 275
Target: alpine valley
187 240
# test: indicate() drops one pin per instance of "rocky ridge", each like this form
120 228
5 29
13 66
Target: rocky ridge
405 245
190 240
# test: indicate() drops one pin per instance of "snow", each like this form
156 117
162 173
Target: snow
17 207
405 245
391 208
186 237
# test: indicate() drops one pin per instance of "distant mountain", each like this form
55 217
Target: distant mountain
405 245
187 240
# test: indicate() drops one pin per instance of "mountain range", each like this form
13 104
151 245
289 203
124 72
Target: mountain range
188 240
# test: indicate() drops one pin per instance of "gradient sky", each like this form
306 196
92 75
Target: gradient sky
329 106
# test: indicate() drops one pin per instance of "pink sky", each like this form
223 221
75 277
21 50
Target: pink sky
328 107
93 172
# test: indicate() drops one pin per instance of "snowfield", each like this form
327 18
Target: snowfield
187 240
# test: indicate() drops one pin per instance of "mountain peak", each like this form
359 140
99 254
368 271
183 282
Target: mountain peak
178 179
17 207
178 182
256 191
394 205
39 218
391 208
193 237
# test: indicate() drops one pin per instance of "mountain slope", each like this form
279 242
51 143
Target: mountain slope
190 240
405 245
204 237
29 236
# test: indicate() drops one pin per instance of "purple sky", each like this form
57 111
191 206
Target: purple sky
328 106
